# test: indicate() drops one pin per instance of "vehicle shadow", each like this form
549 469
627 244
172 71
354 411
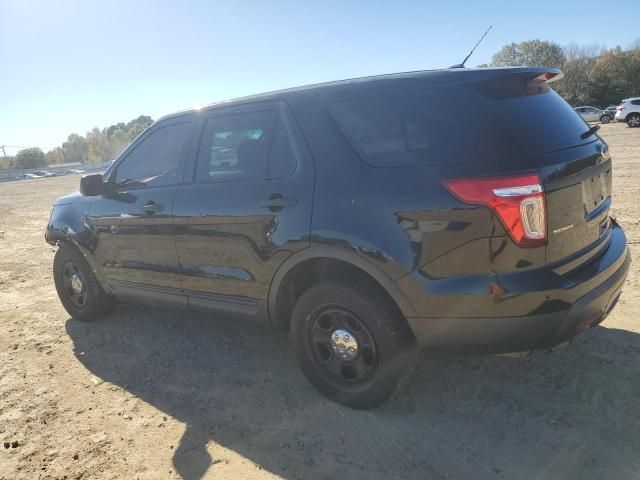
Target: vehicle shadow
568 414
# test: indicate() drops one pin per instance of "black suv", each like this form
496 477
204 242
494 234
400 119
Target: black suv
455 210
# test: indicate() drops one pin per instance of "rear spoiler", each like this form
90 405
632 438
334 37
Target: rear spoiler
515 82
546 74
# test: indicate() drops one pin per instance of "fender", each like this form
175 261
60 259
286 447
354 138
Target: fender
336 253
67 223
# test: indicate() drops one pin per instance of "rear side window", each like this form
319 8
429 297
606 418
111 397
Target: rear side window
244 146
635 102
426 127
458 124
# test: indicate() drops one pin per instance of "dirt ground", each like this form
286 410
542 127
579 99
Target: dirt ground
149 394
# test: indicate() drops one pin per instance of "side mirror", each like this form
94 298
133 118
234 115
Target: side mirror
92 185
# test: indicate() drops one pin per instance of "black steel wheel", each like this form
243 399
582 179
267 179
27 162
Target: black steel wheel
77 286
343 346
351 342
74 284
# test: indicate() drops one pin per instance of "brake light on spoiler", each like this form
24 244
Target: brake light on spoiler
518 201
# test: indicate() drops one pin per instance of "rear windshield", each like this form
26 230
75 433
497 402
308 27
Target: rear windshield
457 124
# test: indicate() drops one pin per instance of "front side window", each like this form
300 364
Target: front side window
244 146
155 160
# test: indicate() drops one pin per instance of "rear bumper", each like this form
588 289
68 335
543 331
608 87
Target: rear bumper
587 297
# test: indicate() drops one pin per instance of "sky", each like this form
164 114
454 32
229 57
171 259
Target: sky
68 66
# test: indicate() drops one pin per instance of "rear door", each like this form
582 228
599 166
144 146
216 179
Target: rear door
247 210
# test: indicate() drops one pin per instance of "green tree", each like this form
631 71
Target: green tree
615 75
99 149
532 53
30 158
55 155
118 142
76 149
579 63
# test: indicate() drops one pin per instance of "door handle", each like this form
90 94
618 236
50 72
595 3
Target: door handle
152 207
277 202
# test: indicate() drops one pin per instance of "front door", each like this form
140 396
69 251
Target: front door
135 245
247 210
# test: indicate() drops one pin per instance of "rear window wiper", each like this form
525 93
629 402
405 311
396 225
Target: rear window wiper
590 132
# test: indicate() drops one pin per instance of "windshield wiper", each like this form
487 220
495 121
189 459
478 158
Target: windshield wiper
590 132
130 182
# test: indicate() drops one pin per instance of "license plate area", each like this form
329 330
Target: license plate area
595 191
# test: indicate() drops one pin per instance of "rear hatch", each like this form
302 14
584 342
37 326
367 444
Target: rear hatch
500 138
573 163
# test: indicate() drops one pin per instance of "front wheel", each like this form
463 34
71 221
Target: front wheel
633 120
605 118
351 343
77 286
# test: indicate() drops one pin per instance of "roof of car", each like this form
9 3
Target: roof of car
441 76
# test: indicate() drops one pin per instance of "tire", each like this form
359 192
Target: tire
633 120
85 300
605 118
332 319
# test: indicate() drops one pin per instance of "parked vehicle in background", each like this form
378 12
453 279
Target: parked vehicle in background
44 173
107 164
73 171
611 110
593 114
28 176
629 111
364 218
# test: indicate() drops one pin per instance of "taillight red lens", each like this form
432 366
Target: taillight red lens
517 201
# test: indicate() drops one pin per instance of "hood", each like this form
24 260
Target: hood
67 199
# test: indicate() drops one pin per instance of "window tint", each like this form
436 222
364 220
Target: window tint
457 124
243 146
635 102
425 127
155 161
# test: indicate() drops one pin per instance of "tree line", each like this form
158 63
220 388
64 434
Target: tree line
593 74
97 146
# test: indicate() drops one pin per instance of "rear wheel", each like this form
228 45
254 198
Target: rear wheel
77 286
633 120
605 118
352 345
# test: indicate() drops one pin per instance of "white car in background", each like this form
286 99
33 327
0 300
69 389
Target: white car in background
28 176
593 114
629 111
44 173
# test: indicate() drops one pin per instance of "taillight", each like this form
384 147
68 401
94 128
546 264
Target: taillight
517 201
619 108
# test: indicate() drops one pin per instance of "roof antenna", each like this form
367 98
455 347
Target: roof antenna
461 65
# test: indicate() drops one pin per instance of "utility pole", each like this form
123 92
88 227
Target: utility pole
3 152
